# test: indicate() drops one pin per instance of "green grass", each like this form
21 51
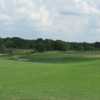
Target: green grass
56 56
76 80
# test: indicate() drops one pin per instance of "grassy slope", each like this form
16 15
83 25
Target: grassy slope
28 81
57 57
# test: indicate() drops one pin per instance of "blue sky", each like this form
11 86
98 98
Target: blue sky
70 20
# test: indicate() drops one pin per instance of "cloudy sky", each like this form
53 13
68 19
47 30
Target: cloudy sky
70 20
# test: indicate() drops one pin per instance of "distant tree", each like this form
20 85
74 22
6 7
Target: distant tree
9 43
97 45
41 45
3 48
59 45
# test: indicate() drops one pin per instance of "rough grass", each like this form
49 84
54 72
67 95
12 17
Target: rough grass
56 56
35 81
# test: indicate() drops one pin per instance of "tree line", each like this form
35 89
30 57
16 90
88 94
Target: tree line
41 45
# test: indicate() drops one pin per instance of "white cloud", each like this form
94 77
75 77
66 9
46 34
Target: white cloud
44 15
2 4
27 9
79 17
87 7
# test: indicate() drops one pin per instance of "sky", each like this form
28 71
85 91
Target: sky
68 20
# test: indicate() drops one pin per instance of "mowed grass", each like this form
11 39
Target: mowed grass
78 80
